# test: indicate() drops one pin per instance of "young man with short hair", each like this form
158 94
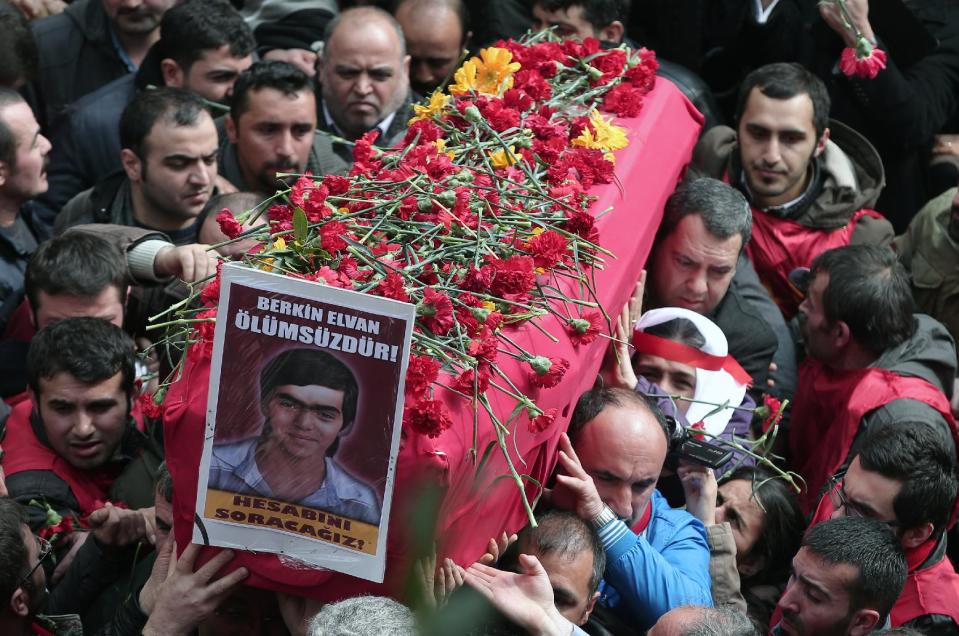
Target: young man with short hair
204 45
846 578
70 443
870 363
811 182
169 160
906 478
271 129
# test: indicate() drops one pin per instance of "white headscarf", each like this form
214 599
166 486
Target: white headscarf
716 387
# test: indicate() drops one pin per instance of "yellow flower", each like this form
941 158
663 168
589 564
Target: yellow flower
438 101
489 74
502 159
266 264
441 148
603 135
488 305
279 244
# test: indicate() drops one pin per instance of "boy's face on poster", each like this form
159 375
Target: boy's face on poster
304 420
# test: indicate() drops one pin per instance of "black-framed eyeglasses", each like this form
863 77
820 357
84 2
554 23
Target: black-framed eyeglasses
839 499
44 550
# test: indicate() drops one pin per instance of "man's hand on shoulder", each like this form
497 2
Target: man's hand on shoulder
190 263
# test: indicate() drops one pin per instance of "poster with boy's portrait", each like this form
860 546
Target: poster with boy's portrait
303 421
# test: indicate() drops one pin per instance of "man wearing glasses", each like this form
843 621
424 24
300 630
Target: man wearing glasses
23 580
906 478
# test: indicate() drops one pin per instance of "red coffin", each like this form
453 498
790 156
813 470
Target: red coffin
661 141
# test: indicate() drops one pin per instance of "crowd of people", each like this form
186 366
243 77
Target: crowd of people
810 253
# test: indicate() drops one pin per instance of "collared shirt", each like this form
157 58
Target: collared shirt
383 126
122 52
233 468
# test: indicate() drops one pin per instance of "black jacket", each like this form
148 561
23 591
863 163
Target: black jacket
77 56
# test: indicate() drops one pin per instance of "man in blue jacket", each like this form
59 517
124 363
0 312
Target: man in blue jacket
657 558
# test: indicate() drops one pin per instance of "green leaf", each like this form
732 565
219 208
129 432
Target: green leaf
300 225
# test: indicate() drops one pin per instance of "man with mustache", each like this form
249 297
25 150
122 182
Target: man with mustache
169 162
870 363
23 161
309 400
271 129
845 579
70 443
811 182
90 44
364 78
204 45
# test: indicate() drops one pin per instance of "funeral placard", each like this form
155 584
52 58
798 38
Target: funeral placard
303 421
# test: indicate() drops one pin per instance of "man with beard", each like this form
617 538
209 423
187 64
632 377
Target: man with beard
870 363
169 168
90 44
271 129
810 182
308 399
23 159
204 45
846 577
364 76
436 33
74 442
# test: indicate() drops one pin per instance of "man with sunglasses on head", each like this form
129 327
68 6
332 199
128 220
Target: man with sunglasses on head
906 478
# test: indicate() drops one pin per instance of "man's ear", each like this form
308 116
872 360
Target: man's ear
590 606
612 32
841 333
406 65
915 537
132 165
4 173
20 602
863 622
821 144
230 126
173 75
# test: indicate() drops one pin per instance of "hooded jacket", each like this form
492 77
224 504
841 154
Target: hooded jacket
77 56
907 386
834 211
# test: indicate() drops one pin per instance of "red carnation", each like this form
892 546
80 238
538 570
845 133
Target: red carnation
427 417
436 311
203 333
335 184
855 63
547 372
210 294
420 374
393 286
624 100
771 406
464 381
228 223
331 237
514 275
548 248
150 408
542 421
586 329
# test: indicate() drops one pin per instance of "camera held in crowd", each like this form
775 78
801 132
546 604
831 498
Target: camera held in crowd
684 446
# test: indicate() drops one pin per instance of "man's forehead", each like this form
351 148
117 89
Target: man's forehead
297 107
571 571
833 578
64 385
786 113
167 137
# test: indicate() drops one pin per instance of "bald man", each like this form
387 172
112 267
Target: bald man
364 75
657 557
436 34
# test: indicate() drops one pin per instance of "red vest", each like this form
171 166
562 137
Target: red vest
779 246
828 407
930 590
23 451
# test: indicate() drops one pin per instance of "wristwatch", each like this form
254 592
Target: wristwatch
603 518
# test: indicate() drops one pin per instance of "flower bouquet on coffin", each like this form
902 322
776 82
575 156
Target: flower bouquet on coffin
481 218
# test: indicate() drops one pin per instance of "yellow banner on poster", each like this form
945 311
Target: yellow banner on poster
263 512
